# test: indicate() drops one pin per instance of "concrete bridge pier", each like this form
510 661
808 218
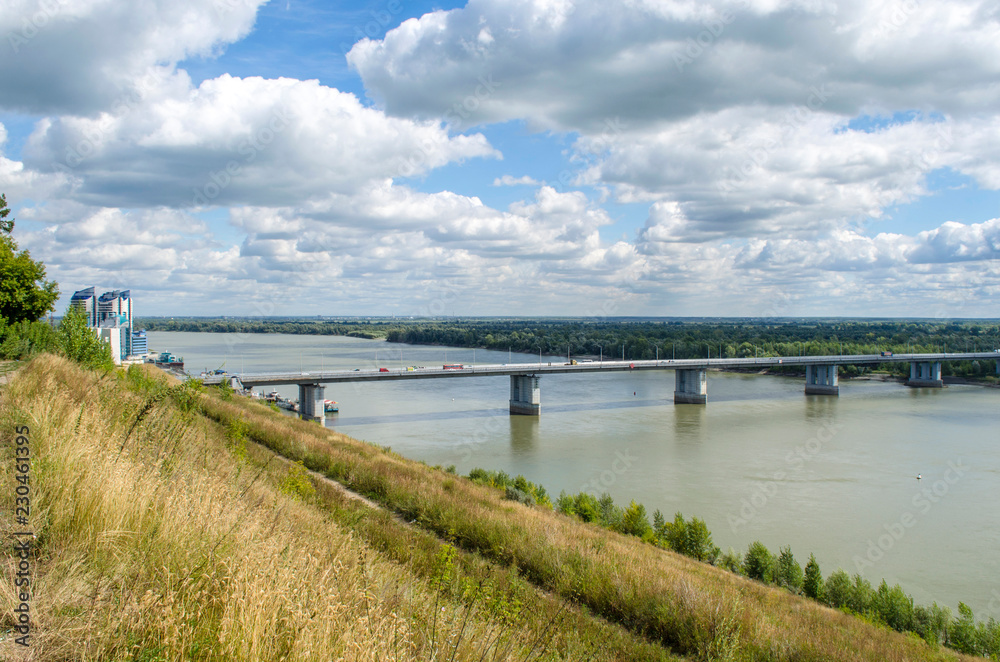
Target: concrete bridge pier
311 399
525 395
690 387
822 380
925 373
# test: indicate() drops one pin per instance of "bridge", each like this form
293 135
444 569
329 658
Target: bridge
691 380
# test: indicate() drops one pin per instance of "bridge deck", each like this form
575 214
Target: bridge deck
437 372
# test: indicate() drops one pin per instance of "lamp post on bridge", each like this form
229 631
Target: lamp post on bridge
602 354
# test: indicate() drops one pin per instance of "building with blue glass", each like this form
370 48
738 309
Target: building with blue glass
110 315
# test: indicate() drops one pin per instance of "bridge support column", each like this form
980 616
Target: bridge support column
822 380
926 373
525 395
690 387
311 398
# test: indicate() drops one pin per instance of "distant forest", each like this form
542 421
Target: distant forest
642 338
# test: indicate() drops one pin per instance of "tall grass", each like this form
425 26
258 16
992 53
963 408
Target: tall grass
694 609
159 540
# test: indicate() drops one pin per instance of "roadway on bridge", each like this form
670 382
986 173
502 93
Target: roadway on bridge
555 367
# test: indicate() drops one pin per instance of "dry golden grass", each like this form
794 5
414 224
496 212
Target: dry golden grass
692 608
166 534
161 539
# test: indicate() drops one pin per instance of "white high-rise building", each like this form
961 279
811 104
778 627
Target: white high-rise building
110 315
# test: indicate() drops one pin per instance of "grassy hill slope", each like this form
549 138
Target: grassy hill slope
176 525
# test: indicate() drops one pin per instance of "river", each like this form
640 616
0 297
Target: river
835 476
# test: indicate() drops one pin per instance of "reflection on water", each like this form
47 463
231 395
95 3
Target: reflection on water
340 421
820 409
847 463
524 434
689 423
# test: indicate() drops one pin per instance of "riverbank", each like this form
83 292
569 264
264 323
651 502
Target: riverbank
192 514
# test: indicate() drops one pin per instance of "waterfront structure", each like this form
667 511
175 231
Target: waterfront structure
110 315
87 300
139 345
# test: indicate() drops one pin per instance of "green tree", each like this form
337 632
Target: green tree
932 623
675 534
894 607
634 521
759 563
837 589
963 635
587 508
611 515
788 572
730 561
565 504
24 338
812 584
81 344
862 596
659 525
6 227
699 542
24 292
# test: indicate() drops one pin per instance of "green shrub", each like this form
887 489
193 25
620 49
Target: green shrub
812 584
512 493
296 482
837 589
759 563
788 573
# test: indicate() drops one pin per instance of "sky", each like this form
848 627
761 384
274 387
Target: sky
751 158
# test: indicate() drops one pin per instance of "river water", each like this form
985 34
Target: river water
835 476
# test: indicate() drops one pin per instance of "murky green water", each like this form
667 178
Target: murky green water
833 476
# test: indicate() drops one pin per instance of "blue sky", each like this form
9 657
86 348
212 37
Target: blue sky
536 157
